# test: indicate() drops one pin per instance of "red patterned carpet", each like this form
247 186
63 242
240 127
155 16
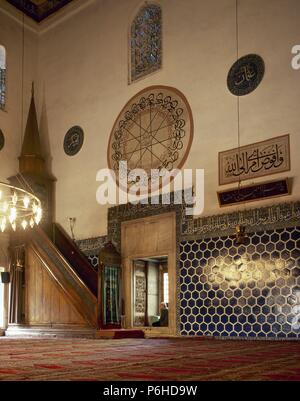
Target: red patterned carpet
148 359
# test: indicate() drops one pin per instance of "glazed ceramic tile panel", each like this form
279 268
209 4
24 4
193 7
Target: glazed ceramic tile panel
251 290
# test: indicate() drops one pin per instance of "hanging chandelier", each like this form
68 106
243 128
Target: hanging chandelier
18 208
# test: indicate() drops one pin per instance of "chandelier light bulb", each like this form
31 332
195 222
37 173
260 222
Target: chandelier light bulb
3 224
14 199
18 207
26 201
13 215
38 215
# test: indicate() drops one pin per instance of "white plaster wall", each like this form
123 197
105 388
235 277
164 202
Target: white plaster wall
83 80
11 37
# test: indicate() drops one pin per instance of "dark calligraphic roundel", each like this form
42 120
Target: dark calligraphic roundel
153 131
245 75
2 140
73 141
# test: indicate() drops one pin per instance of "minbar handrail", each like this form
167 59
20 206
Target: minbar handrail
76 258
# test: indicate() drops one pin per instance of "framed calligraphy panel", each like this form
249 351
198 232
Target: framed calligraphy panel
256 160
73 141
245 75
251 193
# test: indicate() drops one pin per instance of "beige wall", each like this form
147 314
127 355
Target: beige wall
11 37
83 80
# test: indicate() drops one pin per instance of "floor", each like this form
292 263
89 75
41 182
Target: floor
148 359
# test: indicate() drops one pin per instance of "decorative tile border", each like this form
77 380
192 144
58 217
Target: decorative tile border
265 218
254 192
91 246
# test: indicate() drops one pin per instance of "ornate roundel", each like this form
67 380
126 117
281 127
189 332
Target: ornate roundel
245 75
73 141
153 131
2 140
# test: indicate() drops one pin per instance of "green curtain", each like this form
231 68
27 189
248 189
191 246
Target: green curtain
111 295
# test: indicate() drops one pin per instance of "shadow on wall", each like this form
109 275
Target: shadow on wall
44 133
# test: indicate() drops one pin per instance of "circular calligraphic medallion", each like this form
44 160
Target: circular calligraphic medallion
73 140
154 131
2 140
245 75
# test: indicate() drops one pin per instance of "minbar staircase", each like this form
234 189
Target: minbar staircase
60 289
61 292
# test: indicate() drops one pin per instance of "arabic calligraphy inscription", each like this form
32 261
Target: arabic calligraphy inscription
257 160
245 75
254 192
73 141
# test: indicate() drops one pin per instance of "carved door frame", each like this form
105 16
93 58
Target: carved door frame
166 248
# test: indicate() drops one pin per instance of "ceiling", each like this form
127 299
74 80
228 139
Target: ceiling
39 9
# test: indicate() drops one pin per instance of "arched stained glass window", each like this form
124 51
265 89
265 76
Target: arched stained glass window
146 41
2 77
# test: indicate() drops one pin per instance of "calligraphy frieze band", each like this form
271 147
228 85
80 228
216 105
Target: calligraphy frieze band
254 192
256 160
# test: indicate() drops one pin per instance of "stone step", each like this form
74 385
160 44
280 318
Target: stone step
47 331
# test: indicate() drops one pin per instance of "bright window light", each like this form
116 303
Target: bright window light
166 288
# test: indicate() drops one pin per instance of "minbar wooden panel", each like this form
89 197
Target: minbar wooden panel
46 303
65 276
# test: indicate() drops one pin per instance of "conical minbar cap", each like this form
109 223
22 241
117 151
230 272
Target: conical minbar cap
31 143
